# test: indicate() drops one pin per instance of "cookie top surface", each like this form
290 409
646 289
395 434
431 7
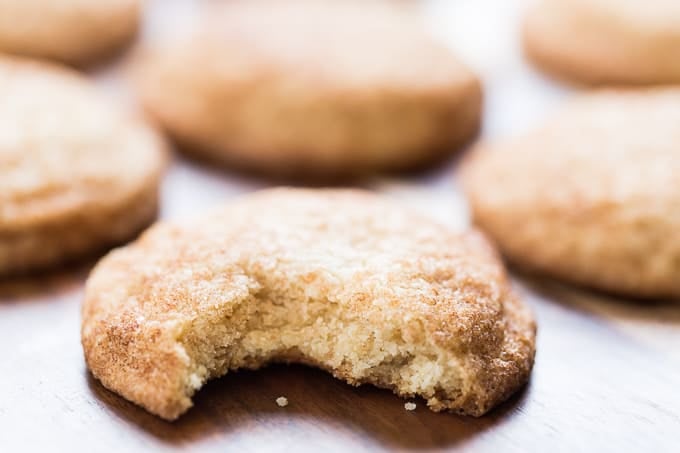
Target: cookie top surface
596 184
326 85
334 239
71 31
606 41
610 145
376 263
63 147
334 46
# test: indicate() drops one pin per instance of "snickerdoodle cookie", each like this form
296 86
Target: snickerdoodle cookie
340 279
76 175
593 196
606 41
310 87
71 31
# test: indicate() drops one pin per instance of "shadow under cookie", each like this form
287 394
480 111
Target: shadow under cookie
241 407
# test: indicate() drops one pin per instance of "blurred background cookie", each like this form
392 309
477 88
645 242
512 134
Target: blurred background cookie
310 87
76 175
606 41
71 31
593 196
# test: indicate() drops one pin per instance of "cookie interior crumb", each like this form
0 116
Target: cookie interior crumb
282 401
410 406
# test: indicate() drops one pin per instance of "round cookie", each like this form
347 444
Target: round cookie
344 280
309 87
75 174
71 31
593 196
606 41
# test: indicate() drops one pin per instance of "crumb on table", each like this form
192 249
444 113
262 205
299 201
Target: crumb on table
282 401
410 406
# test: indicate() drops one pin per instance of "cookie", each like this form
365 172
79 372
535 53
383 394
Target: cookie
605 41
309 87
76 175
591 197
70 31
339 279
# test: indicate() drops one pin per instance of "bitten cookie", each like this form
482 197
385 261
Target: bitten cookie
340 279
606 41
76 175
308 87
593 196
71 31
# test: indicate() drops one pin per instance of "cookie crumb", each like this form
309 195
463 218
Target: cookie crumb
410 406
282 401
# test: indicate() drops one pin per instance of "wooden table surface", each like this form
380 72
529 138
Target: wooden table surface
607 373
